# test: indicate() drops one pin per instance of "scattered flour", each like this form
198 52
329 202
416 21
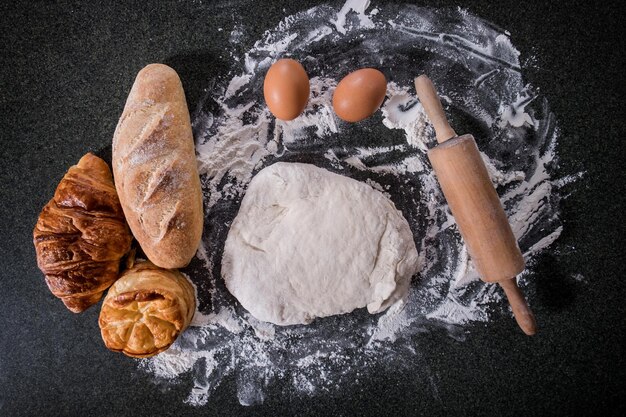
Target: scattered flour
236 136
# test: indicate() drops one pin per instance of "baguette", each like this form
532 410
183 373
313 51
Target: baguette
155 168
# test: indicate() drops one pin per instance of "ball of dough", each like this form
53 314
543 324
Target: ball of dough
309 243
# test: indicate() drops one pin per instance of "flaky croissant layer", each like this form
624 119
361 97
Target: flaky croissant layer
146 310
81 235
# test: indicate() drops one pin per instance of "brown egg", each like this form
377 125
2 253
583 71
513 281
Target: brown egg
359 94
286 89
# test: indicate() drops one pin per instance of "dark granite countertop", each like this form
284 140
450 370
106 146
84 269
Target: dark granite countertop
66 69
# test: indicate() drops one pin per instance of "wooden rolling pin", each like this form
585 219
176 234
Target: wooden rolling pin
475 206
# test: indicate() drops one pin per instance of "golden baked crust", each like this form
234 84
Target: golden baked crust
146 309
81 235
155 168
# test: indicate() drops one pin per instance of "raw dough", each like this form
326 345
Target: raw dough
308 243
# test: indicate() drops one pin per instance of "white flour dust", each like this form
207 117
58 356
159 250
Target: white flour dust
477 71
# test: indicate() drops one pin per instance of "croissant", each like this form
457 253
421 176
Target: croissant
146 309
81 235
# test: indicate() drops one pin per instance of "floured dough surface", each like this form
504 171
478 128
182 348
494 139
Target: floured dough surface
309 243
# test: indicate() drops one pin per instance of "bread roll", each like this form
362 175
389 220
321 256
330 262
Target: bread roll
81 235
155 168
145 310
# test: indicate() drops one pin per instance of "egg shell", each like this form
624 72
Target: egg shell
359 94
286 89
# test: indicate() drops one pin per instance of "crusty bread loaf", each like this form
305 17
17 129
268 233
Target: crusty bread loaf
155 168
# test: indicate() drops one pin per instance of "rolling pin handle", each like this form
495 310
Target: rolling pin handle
523 314
430 101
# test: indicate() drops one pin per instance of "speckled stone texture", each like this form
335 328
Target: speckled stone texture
65 71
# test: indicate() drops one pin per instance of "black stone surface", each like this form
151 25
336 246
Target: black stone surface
65 71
